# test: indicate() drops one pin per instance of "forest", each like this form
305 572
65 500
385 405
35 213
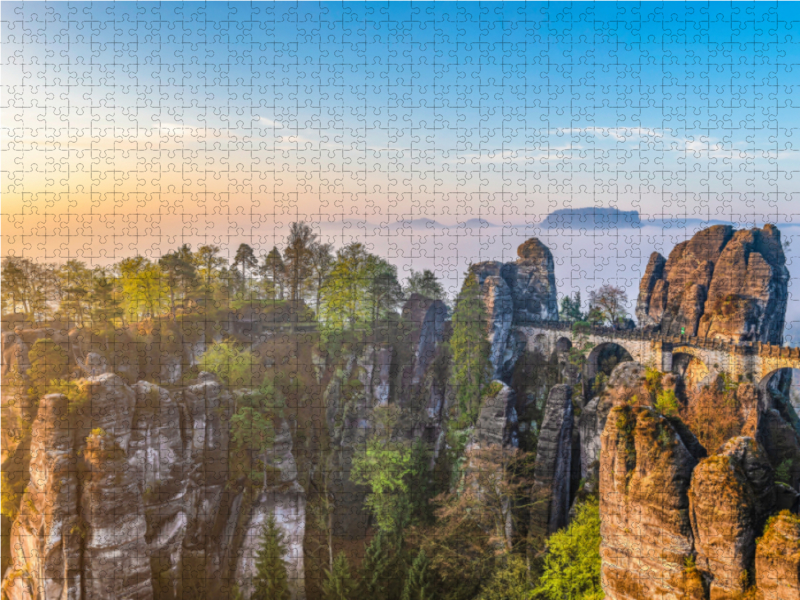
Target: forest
402 501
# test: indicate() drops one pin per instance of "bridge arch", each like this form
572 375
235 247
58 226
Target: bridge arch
563 344
780 380
692 369
603 358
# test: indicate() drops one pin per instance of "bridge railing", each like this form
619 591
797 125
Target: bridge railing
760 348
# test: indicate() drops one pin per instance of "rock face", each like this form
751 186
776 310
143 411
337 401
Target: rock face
649 308
645 470
730 496
720 284
550 493
46 536
515 293
778 559
626 379
128 496
427 318
497 423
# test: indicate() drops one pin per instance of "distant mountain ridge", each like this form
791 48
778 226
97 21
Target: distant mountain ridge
591 217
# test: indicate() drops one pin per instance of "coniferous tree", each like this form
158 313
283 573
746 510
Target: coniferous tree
339 583
418 584
274 272
271 581
470 348
375 570
247 260
297 257
104 303
425 284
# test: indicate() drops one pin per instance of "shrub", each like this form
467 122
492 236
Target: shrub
510 582
231 363
667 403
572 565
48 362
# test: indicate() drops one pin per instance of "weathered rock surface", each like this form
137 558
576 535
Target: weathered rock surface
778 559
427 318
46 536
748 295
626 380
730 497
645 473
515 293
550 493
497 422
652 297
152 515
720 284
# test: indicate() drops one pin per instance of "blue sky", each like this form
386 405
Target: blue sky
224 120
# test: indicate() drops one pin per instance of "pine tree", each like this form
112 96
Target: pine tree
470 348
375 569
339 583
272 578
418 583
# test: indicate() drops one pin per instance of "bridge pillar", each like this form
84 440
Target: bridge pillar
666 356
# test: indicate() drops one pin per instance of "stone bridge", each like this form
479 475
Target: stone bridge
749 361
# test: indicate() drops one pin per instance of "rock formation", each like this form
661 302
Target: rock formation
626 379
497 422
730 496
550 493
778 559
128 496
645 470
720 284
515 293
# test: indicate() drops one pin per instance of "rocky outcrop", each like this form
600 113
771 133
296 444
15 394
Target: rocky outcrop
720 284
497 423
285 499
645 471
652 292
130 496
515 293
46 537
778 559
427 318
626 380
116 561
550 492
747 297
730 497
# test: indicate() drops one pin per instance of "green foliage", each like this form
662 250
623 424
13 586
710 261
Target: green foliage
470 350
388 469
418 585
571 308
271 581
607 304
180 271
105 305
667 403
425 284
144 288
572 565
49 362
783 472
76 392
9 498
253 428
339 583
509 582
379 566
360 290
297 257
230 362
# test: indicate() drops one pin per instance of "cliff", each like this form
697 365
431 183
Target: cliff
720 284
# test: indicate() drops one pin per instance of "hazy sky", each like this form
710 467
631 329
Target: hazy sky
134 127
